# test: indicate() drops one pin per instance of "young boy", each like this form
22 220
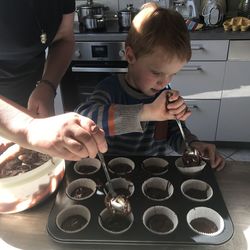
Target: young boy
133 109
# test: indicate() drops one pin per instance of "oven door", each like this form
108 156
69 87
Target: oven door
81 79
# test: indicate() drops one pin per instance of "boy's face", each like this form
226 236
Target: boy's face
153 72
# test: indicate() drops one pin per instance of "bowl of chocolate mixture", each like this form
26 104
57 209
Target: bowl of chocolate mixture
26 178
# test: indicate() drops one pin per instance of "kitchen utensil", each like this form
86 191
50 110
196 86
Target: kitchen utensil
191 156
90 9
126 16
116 203
113 231
95 22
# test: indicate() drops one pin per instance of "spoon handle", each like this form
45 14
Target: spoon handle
110 187
177 121
182 132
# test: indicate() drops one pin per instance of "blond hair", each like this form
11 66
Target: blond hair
155 26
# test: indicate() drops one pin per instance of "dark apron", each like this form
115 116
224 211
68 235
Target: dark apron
18 82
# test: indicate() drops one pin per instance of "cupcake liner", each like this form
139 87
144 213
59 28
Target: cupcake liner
160 217
121 166
205 215
156 166
91 166
76 216
81 183
198 188
189 170
115 223
120 184
159 187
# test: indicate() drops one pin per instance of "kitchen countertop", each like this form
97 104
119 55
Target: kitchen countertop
27 230
112 33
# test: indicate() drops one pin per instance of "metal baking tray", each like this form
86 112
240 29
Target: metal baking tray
137 233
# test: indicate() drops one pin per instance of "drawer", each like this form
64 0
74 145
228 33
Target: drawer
212 50
203 120
239 51
200 80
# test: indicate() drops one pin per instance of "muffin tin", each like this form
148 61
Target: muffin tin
163 220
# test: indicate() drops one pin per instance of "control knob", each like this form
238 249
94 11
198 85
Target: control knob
77 53
122 53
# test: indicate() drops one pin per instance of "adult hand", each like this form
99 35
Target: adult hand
41 101
4 144
10 153
209 150
166 108
69 136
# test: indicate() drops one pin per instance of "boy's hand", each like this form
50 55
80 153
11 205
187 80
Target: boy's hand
209 150
166 107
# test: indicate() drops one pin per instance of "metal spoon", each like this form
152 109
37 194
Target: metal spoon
191 156
190 149
183 135
116 203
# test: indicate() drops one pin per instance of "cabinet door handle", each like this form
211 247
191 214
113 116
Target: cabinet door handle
193 107
197 47
86 93
98 70
191 68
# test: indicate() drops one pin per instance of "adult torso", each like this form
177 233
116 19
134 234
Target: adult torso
22 54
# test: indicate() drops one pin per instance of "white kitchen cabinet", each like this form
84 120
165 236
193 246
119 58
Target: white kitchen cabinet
209 50
203 121
200 82
234 118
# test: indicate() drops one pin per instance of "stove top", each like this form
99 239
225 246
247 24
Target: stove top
111 26
110 33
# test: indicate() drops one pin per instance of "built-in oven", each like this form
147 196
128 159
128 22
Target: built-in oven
92 62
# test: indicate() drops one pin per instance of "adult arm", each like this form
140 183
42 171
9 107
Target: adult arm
41 101
69 136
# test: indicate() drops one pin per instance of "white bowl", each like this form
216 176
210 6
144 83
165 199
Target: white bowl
24 191
189 170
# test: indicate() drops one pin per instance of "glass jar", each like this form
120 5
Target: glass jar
244 8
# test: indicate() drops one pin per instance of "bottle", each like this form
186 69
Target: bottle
244 8
212 13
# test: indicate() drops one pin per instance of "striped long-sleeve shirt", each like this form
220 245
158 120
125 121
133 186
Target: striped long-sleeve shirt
115 107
